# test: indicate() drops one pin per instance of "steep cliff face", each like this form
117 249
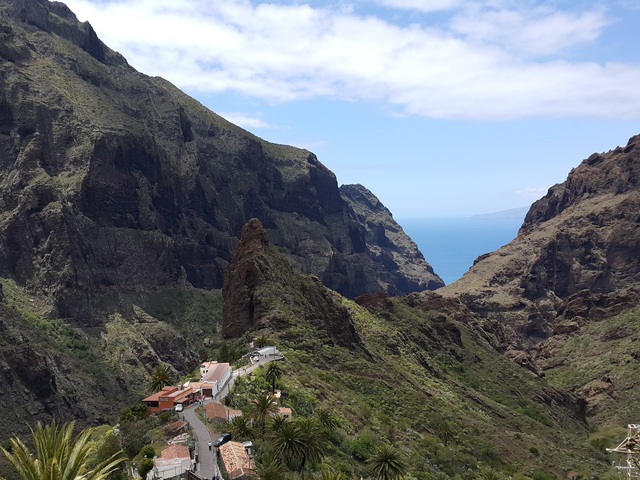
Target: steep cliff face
576 258
399 265
264 292
114 183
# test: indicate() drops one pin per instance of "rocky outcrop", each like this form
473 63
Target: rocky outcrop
399 265
263 292
577 254
249 269
114 184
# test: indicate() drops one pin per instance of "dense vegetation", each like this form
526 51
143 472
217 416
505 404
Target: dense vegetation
418 380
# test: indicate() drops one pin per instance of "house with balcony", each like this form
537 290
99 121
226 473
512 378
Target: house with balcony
167 399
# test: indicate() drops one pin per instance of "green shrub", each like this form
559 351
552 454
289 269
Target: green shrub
148 451
133 413
144 467
361 447
535 414
164 417
134 437
540 475
600 444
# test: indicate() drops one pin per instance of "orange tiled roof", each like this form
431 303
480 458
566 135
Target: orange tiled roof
235 459
166 391
175 451
215 411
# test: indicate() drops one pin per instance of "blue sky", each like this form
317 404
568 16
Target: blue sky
442 108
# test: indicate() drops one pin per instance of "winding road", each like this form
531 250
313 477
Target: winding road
206 466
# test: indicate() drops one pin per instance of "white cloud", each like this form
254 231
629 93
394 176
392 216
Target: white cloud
537 31
245 121
286 52
421 5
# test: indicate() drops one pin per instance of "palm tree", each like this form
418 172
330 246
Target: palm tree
277 422
316 443
287 445
328 474
59 456
160 378
386 463
443 430
261 341
262 408
241 428
272 374
300 444
270 468
327 418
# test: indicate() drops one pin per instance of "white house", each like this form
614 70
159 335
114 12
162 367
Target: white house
217 374
267 352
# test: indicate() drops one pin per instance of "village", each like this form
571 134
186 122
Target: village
213 455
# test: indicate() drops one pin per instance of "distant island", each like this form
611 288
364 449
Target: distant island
511 214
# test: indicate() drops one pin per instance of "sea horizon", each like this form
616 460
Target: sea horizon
451 244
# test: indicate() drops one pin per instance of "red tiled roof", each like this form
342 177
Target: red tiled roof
177 425
166 391
175 451
215 411
236 460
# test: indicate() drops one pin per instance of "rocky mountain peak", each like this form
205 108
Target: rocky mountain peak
56 18
115 184
397 259
263 291
579 245
615 173
252 239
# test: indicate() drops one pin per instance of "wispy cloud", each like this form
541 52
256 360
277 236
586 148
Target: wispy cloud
246 121
534 31
421 5
499 62
532 193
312 145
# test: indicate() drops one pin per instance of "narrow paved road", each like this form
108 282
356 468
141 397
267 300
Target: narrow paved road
207 467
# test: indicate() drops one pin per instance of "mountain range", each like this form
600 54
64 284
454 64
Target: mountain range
138 228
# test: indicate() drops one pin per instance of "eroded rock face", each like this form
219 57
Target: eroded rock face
577 254
248 270
264 292
114 183
400 267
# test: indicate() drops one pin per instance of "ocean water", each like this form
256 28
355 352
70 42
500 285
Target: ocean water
451 245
